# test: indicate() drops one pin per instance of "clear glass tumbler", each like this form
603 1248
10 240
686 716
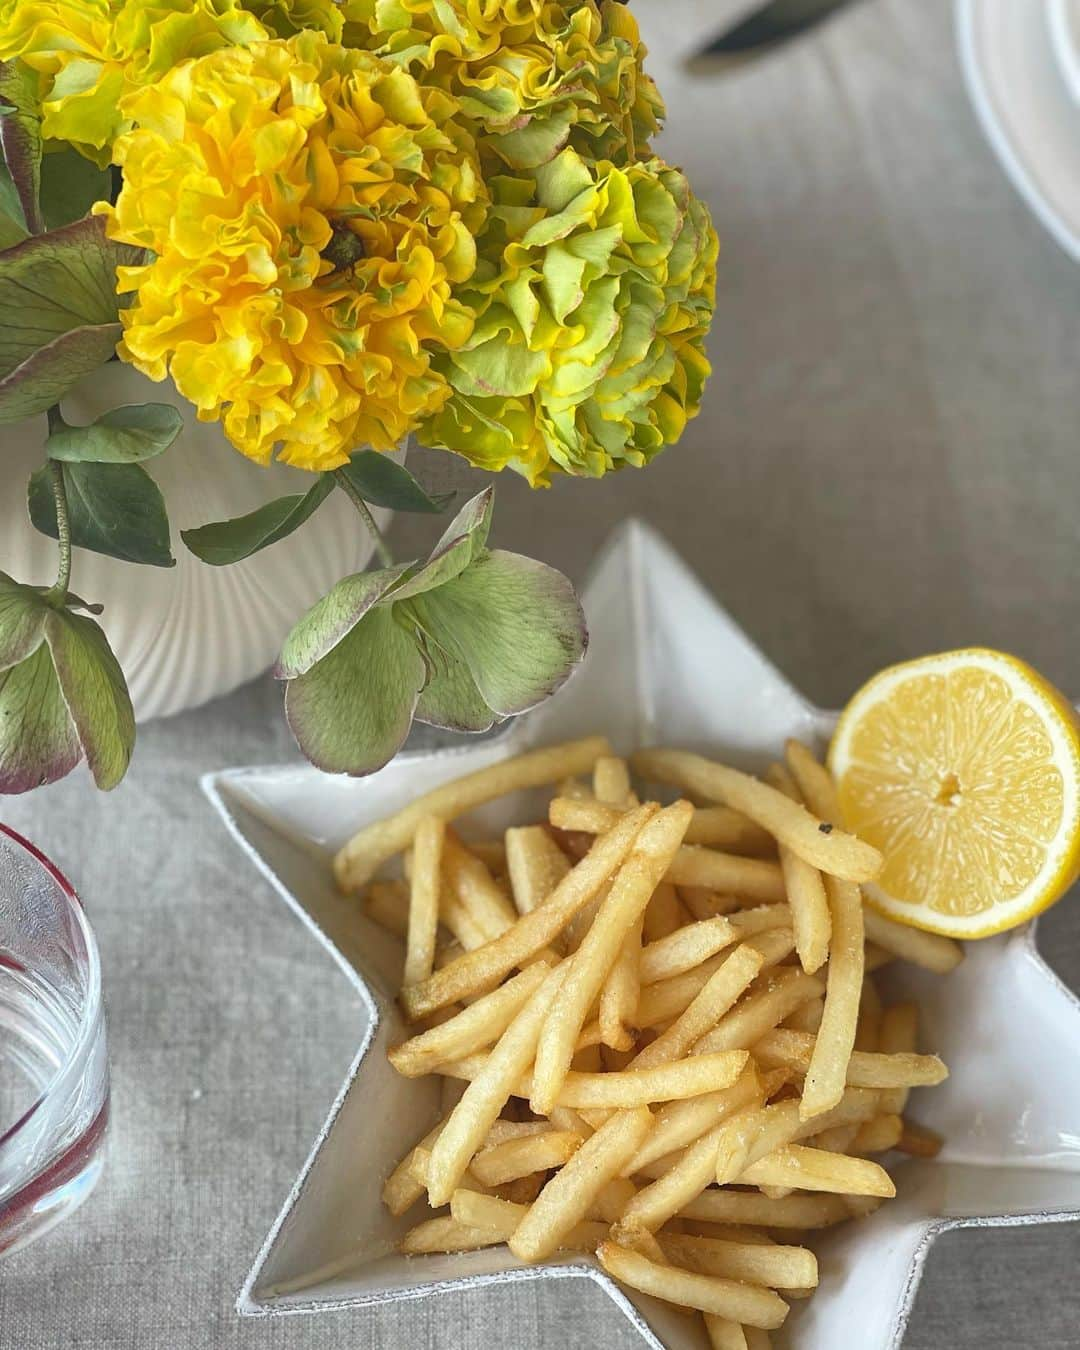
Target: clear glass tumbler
54 1076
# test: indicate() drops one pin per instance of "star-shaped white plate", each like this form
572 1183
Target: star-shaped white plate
665 664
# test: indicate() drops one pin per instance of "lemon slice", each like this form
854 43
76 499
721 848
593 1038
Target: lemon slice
964 770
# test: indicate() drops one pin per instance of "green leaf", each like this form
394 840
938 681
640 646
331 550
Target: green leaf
515 623
120 436
227 541
22 621
70 185
352 710
11 216
60 307
463 539
383 482
115 509
20 137
47 375
450 699
333 617
96 695
38 742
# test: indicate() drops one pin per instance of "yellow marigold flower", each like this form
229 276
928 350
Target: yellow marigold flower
310 209
92 53
595 290
535 74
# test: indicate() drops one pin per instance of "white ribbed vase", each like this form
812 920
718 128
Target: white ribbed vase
191 632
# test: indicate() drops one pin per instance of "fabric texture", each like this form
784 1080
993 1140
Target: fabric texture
886 464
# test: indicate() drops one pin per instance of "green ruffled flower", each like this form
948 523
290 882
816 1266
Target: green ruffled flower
534 75
594 292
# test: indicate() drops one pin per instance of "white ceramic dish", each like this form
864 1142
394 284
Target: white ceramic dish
1026 110
665 662
1063 16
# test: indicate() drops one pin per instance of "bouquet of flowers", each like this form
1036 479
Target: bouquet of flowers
332 225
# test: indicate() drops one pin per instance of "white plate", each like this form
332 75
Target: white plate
1026 109
665 662
1063 16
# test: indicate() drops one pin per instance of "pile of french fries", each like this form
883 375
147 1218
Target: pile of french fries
658 1023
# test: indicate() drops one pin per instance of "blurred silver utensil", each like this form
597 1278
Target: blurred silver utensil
762 31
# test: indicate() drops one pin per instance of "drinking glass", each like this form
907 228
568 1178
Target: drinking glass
54 1077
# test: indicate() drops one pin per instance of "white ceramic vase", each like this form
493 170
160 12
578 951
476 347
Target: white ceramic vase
191 632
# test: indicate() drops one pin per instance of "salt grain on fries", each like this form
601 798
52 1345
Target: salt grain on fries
705 1059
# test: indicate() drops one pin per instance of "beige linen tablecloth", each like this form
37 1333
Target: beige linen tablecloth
888 463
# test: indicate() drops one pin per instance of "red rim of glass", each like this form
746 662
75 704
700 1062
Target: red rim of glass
92 1008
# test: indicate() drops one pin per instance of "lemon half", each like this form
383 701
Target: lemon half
964 770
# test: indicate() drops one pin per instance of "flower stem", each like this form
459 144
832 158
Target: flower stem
58 594
381 546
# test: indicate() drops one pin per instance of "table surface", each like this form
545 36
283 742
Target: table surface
887 464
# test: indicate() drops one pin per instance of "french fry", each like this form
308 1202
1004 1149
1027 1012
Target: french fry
673 1189
875 957
866 1069
612 1198
387 902
716 997
491 852
683 950
625 903
464 926
566 1118
773 1265
723 1333
662 913
919 1140
755 878
753 1134
370 847
476 1026
480 970
536 865
759 1012
502 1130
827 1072
830 849
611 781
486 1095
812 1169
806 1018
756 1338
715 826
800 1212
928 950
401 1189
746 1303
445 1234
879 1135
475 887
868 1027
619 996
565 1200
661 1083
516 1158
424 900
899 1036
705 904
679 1123
523 1190
805 889
500 1218
668 998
